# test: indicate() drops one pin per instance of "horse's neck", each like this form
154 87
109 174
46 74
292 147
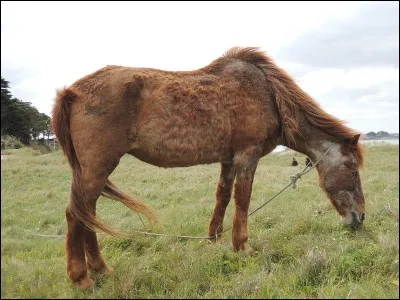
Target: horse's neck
316 145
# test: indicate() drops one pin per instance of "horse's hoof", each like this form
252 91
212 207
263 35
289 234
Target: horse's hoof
107 271
100 268
245 249
103 270
213 239
248 250
251 252
86 283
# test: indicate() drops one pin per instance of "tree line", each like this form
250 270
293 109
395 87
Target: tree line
378 134
20 119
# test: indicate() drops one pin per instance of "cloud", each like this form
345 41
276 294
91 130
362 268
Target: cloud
337 51
367 98
369 38
351 65
63 41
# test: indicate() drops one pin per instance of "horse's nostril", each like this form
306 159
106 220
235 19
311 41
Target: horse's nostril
362 217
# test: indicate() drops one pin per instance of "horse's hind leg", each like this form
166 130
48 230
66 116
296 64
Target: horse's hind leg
76 262
77 234
95 261
223 196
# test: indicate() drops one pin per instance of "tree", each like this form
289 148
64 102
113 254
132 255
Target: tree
43 124
382 133
5 103
47 126
20 119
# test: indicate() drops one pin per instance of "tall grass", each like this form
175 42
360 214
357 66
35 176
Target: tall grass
303 251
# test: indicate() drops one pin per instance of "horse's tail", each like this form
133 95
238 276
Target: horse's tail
60 123
78 204
112 192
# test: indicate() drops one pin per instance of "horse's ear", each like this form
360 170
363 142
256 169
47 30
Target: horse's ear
354 140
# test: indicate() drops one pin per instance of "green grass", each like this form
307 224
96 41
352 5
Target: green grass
303 249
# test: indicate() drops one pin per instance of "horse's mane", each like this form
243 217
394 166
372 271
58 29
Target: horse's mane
291 99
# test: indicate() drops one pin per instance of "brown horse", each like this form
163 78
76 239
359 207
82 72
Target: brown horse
233 111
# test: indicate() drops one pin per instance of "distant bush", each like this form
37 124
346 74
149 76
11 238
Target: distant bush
6 152
41 146
9 142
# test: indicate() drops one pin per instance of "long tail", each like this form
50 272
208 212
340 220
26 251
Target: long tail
78 205
112 192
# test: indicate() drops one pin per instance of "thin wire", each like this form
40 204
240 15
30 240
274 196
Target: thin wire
47 235
293 180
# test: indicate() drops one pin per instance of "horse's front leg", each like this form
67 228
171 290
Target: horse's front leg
246 165
222 198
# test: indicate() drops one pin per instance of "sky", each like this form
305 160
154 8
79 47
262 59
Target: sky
344 54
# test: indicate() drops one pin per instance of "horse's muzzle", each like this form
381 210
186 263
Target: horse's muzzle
357 221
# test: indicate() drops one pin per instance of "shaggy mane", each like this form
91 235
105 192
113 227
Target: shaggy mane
291 99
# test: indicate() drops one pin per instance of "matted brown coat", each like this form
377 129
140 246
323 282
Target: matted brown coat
233 111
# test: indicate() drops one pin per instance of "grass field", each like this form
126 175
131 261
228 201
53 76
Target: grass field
303 249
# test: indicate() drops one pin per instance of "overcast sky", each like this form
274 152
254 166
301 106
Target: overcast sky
344 54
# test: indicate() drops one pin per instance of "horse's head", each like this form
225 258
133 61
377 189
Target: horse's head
340 179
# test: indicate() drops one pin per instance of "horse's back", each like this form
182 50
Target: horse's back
175 118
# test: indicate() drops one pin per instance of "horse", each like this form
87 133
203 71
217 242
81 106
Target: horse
233 111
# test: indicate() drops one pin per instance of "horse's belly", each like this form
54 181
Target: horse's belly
181 151
172 135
